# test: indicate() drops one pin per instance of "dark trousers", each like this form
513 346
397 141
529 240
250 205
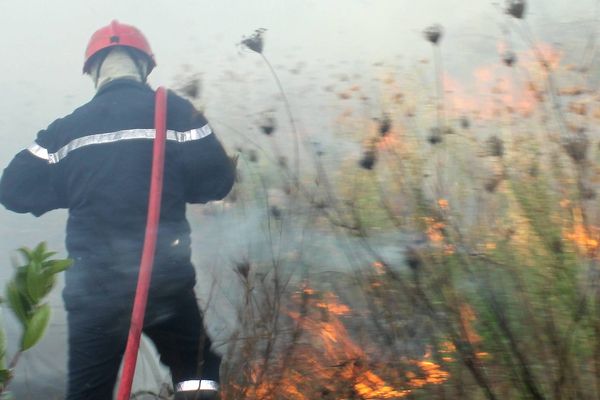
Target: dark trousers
98 336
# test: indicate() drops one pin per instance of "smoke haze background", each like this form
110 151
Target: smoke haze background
42 45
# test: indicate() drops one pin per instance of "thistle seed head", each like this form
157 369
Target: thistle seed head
243 268
368 159
191 88
492 183
433 33
509 58
465 123
435 136
516 8
576 147
495 146
255 41
275 212
267 126
385 125
413 259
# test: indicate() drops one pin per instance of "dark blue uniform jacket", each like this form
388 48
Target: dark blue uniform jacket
96 162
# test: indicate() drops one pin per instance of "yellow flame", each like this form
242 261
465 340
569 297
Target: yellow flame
585 239
443 204
333 357
434 230
490 246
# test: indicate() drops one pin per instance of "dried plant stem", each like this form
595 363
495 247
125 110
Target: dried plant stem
291 348
464 350
440 104
590 52
529 38
11 366
288 109
597 356
525 370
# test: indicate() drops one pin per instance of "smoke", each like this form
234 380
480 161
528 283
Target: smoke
332 65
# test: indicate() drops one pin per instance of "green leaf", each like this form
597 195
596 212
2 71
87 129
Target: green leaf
17 303
26 252
48 281
35 285
56 266
20 281
4 376
39 251
48 254
36 327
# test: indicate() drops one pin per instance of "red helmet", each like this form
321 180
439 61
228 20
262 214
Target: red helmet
117 34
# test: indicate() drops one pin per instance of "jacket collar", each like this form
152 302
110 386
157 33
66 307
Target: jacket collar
121 83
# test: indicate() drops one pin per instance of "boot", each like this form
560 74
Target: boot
197 390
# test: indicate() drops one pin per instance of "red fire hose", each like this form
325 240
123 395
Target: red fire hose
143 284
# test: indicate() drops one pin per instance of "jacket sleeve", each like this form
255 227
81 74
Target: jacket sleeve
209 173
28 183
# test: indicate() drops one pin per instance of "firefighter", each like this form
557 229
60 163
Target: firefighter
96 162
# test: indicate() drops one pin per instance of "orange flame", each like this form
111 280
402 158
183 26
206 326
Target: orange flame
334 358
390 141
467 317
495 90
434 229
586 240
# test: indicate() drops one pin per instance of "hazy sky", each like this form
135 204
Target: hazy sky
42 42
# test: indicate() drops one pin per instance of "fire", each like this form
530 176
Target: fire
494 89
379 267
390 141
435 375
370 386
490 93
490 246
550 55
447 349
327 360
586 240
467 317
434 230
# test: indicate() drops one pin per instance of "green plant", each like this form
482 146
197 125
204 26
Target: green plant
25 292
